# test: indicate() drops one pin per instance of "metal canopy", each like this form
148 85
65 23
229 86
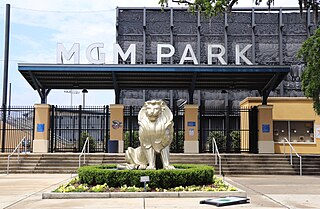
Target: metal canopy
44 77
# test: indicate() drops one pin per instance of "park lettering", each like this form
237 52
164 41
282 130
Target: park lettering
188 53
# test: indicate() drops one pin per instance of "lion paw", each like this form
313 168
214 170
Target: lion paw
169 167
150 168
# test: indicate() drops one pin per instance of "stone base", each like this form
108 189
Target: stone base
120 146
40 146
191 147
266 147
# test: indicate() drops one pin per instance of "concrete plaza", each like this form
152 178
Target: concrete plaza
25 190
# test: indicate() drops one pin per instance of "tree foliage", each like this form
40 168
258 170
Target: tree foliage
310 53
213 7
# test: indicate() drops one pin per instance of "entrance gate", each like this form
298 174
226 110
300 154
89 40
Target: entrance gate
131 128
224 124
70 126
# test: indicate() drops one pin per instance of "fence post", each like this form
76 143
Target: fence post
80 128
130 127
4 121
107 127
227 130
52 127
200 121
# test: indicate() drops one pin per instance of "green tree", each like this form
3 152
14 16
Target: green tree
310 53
214 7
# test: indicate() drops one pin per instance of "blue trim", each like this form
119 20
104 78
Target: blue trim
155 68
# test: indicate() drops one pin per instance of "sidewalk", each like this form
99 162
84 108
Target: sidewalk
24 191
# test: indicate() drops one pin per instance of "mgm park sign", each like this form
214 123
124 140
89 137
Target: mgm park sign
163 51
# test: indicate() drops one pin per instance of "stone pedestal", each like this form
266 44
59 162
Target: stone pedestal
191 138
116 125
265 127
41 128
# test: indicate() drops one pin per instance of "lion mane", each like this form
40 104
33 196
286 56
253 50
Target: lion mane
157 134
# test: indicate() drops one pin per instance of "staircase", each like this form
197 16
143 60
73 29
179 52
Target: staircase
310 164
232 164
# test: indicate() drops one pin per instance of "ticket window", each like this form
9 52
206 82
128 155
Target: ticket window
294 131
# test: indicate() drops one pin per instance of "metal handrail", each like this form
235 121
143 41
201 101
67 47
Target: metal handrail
17 148
216 153
291 148
83 152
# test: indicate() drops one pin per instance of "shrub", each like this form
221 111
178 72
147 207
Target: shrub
177 144
92 142
184 175
235 141
135 139
221 140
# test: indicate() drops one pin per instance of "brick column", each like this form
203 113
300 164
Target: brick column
41 128
191 138
265 127
116 125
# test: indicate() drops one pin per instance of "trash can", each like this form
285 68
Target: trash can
113 146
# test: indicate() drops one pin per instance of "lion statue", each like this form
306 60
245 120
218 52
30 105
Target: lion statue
155 136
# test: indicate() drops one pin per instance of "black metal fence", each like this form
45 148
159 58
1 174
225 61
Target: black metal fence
70 126
19 123
131 128
230 127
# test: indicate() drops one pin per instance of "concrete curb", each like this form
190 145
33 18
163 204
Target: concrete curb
86 195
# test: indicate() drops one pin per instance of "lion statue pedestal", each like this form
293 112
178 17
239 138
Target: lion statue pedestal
155 136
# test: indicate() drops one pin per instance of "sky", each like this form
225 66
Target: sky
38 25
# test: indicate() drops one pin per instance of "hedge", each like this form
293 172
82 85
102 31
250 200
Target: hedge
183 175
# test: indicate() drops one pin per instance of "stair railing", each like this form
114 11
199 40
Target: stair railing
291 148
24 139
83 152
216 153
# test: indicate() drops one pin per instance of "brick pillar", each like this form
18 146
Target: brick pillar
265 127
41 128
116 125
191 138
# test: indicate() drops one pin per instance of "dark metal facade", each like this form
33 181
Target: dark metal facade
19 124
275 37
70 126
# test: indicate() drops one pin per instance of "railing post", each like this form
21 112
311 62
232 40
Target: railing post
290 155
300 166
25 145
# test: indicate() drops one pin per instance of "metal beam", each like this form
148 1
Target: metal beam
43 96
268 88
281 25
199 39
39 88
192 88
144 35
171 32
226 36
116 88
253 37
